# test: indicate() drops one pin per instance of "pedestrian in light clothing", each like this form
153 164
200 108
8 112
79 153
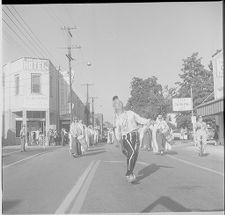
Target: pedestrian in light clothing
126 132
23 138
201 133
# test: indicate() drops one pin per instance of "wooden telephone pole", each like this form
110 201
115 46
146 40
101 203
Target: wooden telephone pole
68 55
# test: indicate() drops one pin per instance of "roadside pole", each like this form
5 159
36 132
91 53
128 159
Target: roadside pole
193 118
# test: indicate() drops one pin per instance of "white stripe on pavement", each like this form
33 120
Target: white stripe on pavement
62 209
82 194
27 158
19 161
196 165
10 153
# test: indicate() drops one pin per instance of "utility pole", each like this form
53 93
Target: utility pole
58 72
192 114
68 55
92 114
87 101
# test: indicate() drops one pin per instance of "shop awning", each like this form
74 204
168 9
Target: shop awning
210 108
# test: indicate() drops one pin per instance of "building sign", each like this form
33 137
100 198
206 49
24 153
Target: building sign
182 104
218 75
35 65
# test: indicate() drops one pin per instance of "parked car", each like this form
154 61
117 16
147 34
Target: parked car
176 134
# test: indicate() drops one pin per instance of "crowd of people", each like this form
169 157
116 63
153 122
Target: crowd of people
79 137
155 137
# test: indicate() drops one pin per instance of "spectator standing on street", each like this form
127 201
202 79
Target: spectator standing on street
62 136
126 131
28 138
23 138
216 135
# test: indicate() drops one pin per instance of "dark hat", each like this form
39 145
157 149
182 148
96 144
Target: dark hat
115 97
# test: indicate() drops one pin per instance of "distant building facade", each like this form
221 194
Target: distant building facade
36 94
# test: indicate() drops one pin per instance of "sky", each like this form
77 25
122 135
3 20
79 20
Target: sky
121 41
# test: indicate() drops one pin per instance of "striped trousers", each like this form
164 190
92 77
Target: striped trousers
130 148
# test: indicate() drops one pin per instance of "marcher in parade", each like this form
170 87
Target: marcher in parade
23 138
81 136
201 133
155 147
161 134
75 132
86 135
126 131
145 138
110 136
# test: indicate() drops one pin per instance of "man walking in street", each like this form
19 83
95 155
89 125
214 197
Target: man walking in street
23 138
126 132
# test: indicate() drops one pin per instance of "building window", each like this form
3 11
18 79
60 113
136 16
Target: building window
17 84
35 83
18 128
51 86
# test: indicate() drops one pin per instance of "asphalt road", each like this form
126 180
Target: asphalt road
51 181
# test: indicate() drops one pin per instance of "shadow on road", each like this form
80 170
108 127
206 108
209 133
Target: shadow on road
147 171
94 150
168 203
204 155
171 153
6 205
94 153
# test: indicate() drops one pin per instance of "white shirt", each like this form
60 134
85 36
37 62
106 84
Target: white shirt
127 122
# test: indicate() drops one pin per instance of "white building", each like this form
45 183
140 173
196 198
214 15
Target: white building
35 93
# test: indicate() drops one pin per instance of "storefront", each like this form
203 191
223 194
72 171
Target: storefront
215 107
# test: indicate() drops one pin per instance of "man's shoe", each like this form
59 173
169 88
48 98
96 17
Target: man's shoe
131 178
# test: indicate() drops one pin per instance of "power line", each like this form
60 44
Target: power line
10 40
44 47
32 39
20 31
16 33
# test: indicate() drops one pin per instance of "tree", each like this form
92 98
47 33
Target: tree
200 79
146 98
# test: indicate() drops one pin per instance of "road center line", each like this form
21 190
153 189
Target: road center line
72 194
82 194
196 165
